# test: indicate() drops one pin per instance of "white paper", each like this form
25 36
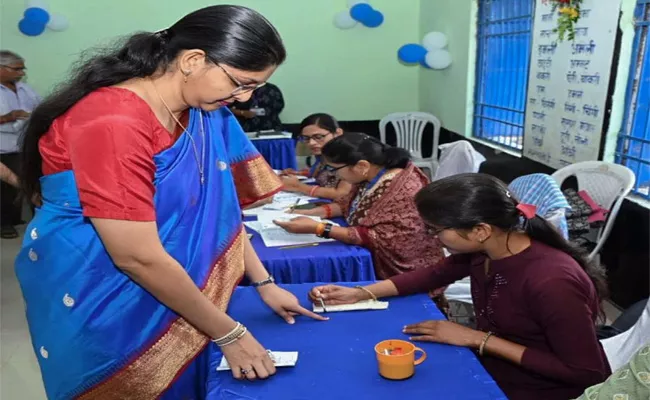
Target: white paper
362 305
568 84
282 201
254 225
280 359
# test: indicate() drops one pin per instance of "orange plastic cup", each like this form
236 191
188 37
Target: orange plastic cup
396 359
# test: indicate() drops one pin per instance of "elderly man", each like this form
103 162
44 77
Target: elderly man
17 100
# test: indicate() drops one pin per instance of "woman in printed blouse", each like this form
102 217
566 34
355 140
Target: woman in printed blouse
379 208
317 130
536 296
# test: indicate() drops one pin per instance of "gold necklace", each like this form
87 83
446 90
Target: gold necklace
200 164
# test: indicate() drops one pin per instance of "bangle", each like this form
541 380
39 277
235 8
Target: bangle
483 343
312 192
372 295
328 211
234 335
320 229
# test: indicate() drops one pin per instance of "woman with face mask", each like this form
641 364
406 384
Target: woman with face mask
128 267
316 131
379 209
537 297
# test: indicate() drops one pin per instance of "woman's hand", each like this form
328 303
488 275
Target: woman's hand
445 332
313 212
289 171
248 359
335 295
291 183
298 225
285 304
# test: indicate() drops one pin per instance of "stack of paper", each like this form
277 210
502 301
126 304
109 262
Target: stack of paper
362 305
282 201
280 359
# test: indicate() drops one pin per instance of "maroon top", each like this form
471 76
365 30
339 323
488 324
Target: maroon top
541 299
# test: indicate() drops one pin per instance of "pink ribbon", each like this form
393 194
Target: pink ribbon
527 210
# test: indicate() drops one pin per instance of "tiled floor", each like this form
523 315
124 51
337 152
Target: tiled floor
20 377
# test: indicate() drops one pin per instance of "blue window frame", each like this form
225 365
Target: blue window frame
633 149
504 41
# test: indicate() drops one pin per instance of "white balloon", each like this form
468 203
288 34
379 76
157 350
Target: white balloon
352 3
435 41
438 59
343 20
36 4
58 22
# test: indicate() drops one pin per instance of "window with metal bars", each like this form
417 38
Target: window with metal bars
633 149
504 40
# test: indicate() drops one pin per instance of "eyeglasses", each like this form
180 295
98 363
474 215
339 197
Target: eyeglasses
17 69
433 231
317 138
329 168
240 88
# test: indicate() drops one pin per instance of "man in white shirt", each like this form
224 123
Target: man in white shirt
17 101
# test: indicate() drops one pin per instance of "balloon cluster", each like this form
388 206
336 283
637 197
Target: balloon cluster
359 12
37 17
431 53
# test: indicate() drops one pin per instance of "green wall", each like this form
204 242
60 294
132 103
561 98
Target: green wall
445 93
353 74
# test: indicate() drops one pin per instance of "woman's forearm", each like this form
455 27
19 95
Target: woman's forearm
381 289
8 176
255 270
172 286
501 348
346 235
135 248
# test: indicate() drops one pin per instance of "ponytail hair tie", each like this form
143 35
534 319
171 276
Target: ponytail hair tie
527 210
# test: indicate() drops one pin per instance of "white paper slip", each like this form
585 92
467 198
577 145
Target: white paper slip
362 305
254 225
280 359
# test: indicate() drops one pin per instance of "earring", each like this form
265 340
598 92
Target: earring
185 75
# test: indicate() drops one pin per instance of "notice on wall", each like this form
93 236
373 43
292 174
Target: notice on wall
568 84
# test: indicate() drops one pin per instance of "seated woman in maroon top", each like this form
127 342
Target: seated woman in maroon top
536 296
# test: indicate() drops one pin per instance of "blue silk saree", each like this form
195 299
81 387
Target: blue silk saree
99 335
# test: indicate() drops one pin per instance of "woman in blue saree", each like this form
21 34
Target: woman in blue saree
128 266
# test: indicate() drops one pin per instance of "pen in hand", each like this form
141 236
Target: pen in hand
294 206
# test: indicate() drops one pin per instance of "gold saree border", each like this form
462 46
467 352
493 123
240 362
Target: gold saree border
154 370
255 180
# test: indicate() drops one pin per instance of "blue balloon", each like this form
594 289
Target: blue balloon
37 15
412 53
373 20
361 12
30 28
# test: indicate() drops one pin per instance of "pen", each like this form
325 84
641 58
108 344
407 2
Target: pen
297 246
294 206
322 304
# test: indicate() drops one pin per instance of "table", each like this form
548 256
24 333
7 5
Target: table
327 262
280 153
337 360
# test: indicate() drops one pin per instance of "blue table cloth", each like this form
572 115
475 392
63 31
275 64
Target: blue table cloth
327 262
337 359
279 153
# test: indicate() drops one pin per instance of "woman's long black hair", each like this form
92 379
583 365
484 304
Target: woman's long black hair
232 35
464 201
321 120
352 147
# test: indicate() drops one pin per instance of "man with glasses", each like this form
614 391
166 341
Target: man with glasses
17 100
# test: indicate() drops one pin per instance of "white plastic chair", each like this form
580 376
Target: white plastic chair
606 183
621 348
409 127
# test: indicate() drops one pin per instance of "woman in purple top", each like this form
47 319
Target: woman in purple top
536 296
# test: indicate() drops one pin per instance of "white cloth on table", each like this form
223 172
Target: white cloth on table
24 98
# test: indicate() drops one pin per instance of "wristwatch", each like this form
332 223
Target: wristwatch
265 282
327 231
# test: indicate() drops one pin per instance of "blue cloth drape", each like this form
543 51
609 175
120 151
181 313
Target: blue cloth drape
279 153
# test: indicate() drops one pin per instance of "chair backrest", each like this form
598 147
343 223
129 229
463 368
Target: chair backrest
409 127
606 183
544 192
458 157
